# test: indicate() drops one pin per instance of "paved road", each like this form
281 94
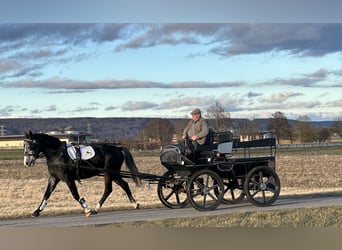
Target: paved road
334 199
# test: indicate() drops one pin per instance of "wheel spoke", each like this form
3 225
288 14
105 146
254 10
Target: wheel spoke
256 191
272 190
213 197
170 194
177 198
232 194
204 200
264 196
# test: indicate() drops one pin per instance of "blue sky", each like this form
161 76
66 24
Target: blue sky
163 69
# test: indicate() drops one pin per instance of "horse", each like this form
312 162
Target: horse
107 161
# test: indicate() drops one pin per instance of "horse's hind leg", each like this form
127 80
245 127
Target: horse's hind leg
109 188
107 191
52 183
124 185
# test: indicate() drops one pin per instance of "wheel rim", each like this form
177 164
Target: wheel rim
205 190
262 186
172 192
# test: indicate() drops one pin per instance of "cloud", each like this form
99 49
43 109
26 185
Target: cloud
55 33
131 106
287 105
83 109
38 45
7 65
60 83
253 94
281 97
335 103
110 108
224 39
8 110
320 74
240 39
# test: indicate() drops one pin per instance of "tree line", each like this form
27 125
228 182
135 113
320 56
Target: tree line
159 131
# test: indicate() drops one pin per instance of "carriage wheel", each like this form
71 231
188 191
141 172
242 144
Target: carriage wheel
233 191
205 190
171 191
262 186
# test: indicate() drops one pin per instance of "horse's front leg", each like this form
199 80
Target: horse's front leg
52 183
73 189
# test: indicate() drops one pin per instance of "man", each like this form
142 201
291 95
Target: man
197 129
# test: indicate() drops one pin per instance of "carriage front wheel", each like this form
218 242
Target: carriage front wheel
172 191
205 190
262 186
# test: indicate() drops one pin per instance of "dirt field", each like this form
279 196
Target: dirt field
22 188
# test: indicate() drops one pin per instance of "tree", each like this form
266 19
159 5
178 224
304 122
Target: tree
322 134
337 126
220 119
303 130
279 124
159 131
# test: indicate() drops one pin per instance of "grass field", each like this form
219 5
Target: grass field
314 170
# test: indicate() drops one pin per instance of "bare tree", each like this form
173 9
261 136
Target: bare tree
279 124
159 131
337 126
303 130
220 119
322 134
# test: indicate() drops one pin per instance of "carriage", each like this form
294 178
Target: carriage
223 171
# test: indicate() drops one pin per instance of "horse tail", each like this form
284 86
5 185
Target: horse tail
130 163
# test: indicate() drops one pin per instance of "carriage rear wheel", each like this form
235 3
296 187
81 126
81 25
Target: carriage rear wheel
262 186
171 191
233 191
205 190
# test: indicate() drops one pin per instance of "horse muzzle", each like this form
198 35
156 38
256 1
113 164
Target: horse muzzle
29 161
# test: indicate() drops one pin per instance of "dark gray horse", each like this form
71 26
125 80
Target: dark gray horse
107 161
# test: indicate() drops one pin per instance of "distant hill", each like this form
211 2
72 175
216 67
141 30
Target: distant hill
106 128
98 127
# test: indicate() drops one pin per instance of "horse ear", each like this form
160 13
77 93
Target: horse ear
28 135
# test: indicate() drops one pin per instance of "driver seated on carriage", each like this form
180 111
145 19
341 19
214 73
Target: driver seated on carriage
197 130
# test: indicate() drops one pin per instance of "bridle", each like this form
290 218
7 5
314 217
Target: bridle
31 152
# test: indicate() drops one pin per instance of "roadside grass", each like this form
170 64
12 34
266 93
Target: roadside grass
296 218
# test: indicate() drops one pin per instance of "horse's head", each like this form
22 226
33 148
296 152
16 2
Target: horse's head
39 144
31 150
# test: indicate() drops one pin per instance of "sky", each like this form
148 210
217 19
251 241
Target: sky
165 69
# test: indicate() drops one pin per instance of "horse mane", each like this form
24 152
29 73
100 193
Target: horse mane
52 141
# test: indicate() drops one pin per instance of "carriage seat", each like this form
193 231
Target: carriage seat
221 142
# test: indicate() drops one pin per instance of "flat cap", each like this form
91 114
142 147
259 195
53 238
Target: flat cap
196 111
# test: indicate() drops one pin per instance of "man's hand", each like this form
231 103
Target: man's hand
194 138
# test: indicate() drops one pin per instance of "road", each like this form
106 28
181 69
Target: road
333 199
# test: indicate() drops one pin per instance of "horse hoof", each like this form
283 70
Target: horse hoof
90 213
137 206
35 214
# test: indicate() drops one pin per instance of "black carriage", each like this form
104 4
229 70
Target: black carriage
225 171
